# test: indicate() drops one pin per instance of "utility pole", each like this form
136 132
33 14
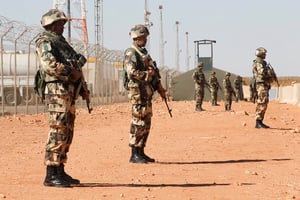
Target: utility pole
187 52
147 22
98 6
162 42
69 16
177 47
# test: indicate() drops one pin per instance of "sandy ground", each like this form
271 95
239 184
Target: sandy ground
200 155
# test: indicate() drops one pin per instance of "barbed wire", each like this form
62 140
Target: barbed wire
17 33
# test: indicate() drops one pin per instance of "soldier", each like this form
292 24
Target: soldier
228 91
200 82
252 90
144 80
263 78
238 87
214 87
57 62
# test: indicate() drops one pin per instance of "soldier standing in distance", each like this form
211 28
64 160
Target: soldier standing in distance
228 91
238 87
214 87
200 81
263 79
54 55
144 80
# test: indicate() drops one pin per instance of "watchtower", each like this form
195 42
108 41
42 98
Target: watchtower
207 60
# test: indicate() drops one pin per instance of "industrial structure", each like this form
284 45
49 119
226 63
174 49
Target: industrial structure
18 63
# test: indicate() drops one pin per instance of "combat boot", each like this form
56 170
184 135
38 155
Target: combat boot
67 177
198 107
136 157
260 124
226 108
54 179
147 158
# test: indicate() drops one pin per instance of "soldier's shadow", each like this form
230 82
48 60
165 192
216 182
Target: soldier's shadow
183 185
211 162
133 185
221 161
282 129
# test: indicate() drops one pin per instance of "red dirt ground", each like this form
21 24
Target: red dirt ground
200 155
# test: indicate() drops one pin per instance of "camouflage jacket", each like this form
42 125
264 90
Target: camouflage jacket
238 83
213 82
141 85
53 50
199 78
260 71
227 86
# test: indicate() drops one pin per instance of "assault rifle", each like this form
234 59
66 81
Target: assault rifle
150 64
160 88
81 85
273 74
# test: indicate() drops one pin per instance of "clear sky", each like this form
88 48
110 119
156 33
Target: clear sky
238 27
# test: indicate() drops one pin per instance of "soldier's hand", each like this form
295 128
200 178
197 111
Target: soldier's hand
75 75
59 69
150 71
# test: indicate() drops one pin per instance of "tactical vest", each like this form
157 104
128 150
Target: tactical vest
259 78
60 49
199 77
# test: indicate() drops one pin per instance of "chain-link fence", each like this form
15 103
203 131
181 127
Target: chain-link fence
103 71
19 64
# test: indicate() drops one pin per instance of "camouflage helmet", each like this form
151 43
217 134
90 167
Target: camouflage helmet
138 31
213 73
227 74
200 65
260 51
53 15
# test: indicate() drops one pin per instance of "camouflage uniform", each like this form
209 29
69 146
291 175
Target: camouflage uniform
214 87
200 82
55 56
140 96
228 92
238 87
142 86
59 95
263 81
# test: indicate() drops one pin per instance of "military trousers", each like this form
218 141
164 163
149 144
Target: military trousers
199 94
61 128
140 124
262 100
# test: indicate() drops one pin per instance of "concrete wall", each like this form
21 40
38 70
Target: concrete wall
289 94
285 94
